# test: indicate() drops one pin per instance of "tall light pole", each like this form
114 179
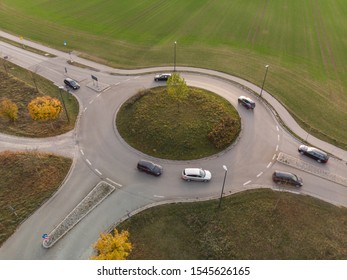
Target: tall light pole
221 194
262 87
175 56
62 99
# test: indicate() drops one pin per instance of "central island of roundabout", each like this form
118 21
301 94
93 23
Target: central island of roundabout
188 124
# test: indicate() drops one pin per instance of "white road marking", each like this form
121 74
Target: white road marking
85 109
116 84
98 95
87 160
82 152
108 179
278 137
277 128
274 157
97 171
247 183
277 148
269 165
159 196
261 173
91 101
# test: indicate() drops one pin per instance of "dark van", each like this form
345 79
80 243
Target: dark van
287 178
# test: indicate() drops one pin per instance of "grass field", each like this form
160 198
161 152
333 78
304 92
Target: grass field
154 124
27 180
260 224
303 41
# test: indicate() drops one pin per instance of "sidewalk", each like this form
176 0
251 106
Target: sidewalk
281 112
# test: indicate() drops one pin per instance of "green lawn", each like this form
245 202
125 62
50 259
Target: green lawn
155 124
303 41
260 224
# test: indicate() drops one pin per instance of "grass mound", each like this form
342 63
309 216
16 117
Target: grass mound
259 224
155 124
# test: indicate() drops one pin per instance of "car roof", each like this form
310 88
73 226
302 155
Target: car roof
284 174
192 171
246 98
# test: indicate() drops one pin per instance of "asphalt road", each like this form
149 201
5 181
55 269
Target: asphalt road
100 154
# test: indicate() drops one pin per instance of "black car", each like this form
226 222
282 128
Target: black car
287 178
149 167
247 102
71 83
314 153
162 77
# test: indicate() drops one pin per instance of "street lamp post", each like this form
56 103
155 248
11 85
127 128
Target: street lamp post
221 194
262 87
62 99
175 56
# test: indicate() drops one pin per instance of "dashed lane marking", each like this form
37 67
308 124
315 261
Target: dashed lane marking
247 182
278 129
269 165
97 171
274 157
277 148
261 173
82 152
88 161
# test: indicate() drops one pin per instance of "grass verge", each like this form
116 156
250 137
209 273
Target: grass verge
258 224
27 181
155 124
21 86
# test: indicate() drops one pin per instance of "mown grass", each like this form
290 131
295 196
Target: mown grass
302 41
18 85
27 181
155 124
259 224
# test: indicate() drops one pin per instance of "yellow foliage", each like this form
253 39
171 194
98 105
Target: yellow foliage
112 247
45 108
8 109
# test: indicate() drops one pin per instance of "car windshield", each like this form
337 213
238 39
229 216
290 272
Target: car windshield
202 173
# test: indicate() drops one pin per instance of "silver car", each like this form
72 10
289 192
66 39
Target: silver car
196 174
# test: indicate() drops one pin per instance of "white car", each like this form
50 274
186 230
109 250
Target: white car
196 174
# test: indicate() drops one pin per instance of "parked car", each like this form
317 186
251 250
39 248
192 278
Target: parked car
196 174
71 83
162 77
149 167
314 153
246 102
287 178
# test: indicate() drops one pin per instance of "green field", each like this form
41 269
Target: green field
303 41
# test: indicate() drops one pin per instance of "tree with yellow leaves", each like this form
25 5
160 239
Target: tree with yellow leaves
45 108
112 247
8 109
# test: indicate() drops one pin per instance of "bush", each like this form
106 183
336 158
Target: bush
223 133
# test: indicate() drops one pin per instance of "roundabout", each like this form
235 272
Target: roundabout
100 154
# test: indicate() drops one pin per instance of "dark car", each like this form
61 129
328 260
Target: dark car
162 77
287 178
247 102
314 153
71 83
149 167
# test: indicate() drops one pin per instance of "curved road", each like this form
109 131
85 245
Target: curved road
100 154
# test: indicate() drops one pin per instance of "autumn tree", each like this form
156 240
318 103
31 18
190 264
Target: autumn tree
177 88
8 109
45 108
112 247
